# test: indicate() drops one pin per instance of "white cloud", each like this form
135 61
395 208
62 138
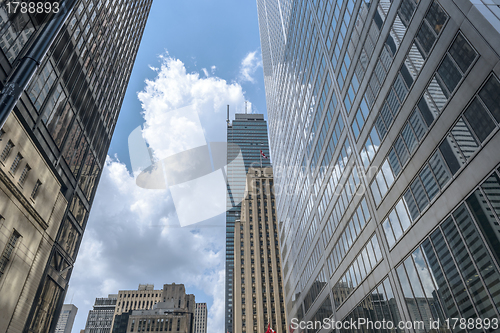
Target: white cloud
205 72
133 234
249 66
212 69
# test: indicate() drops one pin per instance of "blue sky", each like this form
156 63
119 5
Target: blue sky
202 34
198 52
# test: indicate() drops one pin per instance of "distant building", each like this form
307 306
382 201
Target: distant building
249 133
258 297
101 317
141 299
66 319
174 312
200 318
168 309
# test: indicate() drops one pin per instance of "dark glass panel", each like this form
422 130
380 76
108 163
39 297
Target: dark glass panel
386 114
425 110
450 156
479 252
78 209
419 194
406 11
79 154
430 184
489 95
491 188
462 53
408 79
487 223
401 150
466 268
428 286
439 169
380 126
464 139
412 206
479 119
58 123
452 276
409 138
449 74
443 290
72 142
418 125
400 87
436 17
425 39
394 162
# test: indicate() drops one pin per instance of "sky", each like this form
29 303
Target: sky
194 53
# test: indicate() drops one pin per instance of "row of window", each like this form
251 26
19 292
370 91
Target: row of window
15 166
378 306
330 149
15 31
155 325
8 250
359 269
452 274
386 56
338 171
352 230
396 34
460 144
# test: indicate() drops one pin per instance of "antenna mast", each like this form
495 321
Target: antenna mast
227 121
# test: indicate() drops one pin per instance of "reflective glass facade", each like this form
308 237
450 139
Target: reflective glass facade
384 126
69 111
246 137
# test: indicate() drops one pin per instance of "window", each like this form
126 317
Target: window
7 252
34 193
6 151
24 174
15 164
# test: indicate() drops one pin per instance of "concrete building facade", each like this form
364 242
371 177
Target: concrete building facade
200 318
66 319
258 284
384 123
100 318
54 144
174 312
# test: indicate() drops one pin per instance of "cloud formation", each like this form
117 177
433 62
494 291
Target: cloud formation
133 234
249 65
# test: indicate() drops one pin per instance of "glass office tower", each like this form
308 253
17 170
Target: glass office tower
384 128
246 137
54 145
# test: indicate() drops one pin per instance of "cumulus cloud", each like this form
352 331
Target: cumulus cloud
249 65
133 234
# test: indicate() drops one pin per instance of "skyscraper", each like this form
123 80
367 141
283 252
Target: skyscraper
383 122
247 139
54 143
258 284
100 318
200 318
66 319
